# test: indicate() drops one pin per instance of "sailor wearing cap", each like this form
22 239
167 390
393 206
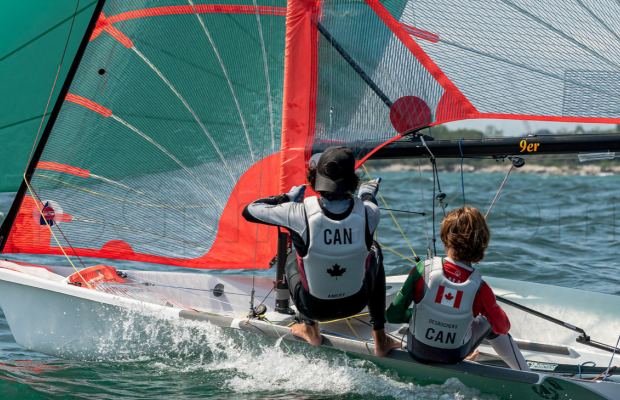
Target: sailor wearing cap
336 269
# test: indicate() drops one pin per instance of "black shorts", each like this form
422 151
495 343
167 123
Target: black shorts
372 294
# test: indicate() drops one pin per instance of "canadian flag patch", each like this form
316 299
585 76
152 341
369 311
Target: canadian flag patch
449 297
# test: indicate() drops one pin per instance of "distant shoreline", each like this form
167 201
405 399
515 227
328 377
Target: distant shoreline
503 167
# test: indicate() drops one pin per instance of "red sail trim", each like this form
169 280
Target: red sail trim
234 245
421 56
449 109
202 9
546 118
104 24
299 97
525 117
363 160
88 104
63 168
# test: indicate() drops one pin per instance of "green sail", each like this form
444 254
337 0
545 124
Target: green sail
34 34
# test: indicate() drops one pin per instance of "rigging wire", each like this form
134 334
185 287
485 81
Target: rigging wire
462 179
500 189
428 243
272 289
434 210
436 184
331 85
148 282
393 217
262 157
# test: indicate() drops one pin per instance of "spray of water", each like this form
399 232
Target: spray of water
249 364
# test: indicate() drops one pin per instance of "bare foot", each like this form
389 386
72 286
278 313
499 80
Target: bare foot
383 343
473 356
310 333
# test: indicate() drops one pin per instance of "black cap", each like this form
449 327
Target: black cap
334 169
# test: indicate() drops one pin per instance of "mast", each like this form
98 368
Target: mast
282 290
17 202
493 147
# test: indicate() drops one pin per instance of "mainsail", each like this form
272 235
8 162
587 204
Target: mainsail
181 113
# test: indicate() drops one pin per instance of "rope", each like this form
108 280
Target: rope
462 179
403 211
355 333
338 334
281 338
393 217
500 189
612 358
602 373
52 232
395 252
583 364
114 198
342 319
63 234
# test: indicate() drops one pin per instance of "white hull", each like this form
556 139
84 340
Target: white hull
77 323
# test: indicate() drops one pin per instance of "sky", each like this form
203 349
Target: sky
519 128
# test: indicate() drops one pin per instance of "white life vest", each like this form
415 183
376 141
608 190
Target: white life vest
337 259
444 316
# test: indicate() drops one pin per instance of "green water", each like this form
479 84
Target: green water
558 230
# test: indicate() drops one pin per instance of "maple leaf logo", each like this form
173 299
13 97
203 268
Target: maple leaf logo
449 296
336 271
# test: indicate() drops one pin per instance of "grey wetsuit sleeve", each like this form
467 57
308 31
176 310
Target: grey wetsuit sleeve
372 210
278 211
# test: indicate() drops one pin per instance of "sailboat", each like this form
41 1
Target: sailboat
177 114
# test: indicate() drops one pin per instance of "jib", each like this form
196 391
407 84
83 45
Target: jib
336 237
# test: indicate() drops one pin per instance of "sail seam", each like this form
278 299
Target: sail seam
421 55
200 8
262 43
162 149
232 90
204 129
560 33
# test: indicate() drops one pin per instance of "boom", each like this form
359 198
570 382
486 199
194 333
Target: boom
486 147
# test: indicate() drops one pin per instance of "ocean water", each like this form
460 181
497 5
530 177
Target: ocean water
558 230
